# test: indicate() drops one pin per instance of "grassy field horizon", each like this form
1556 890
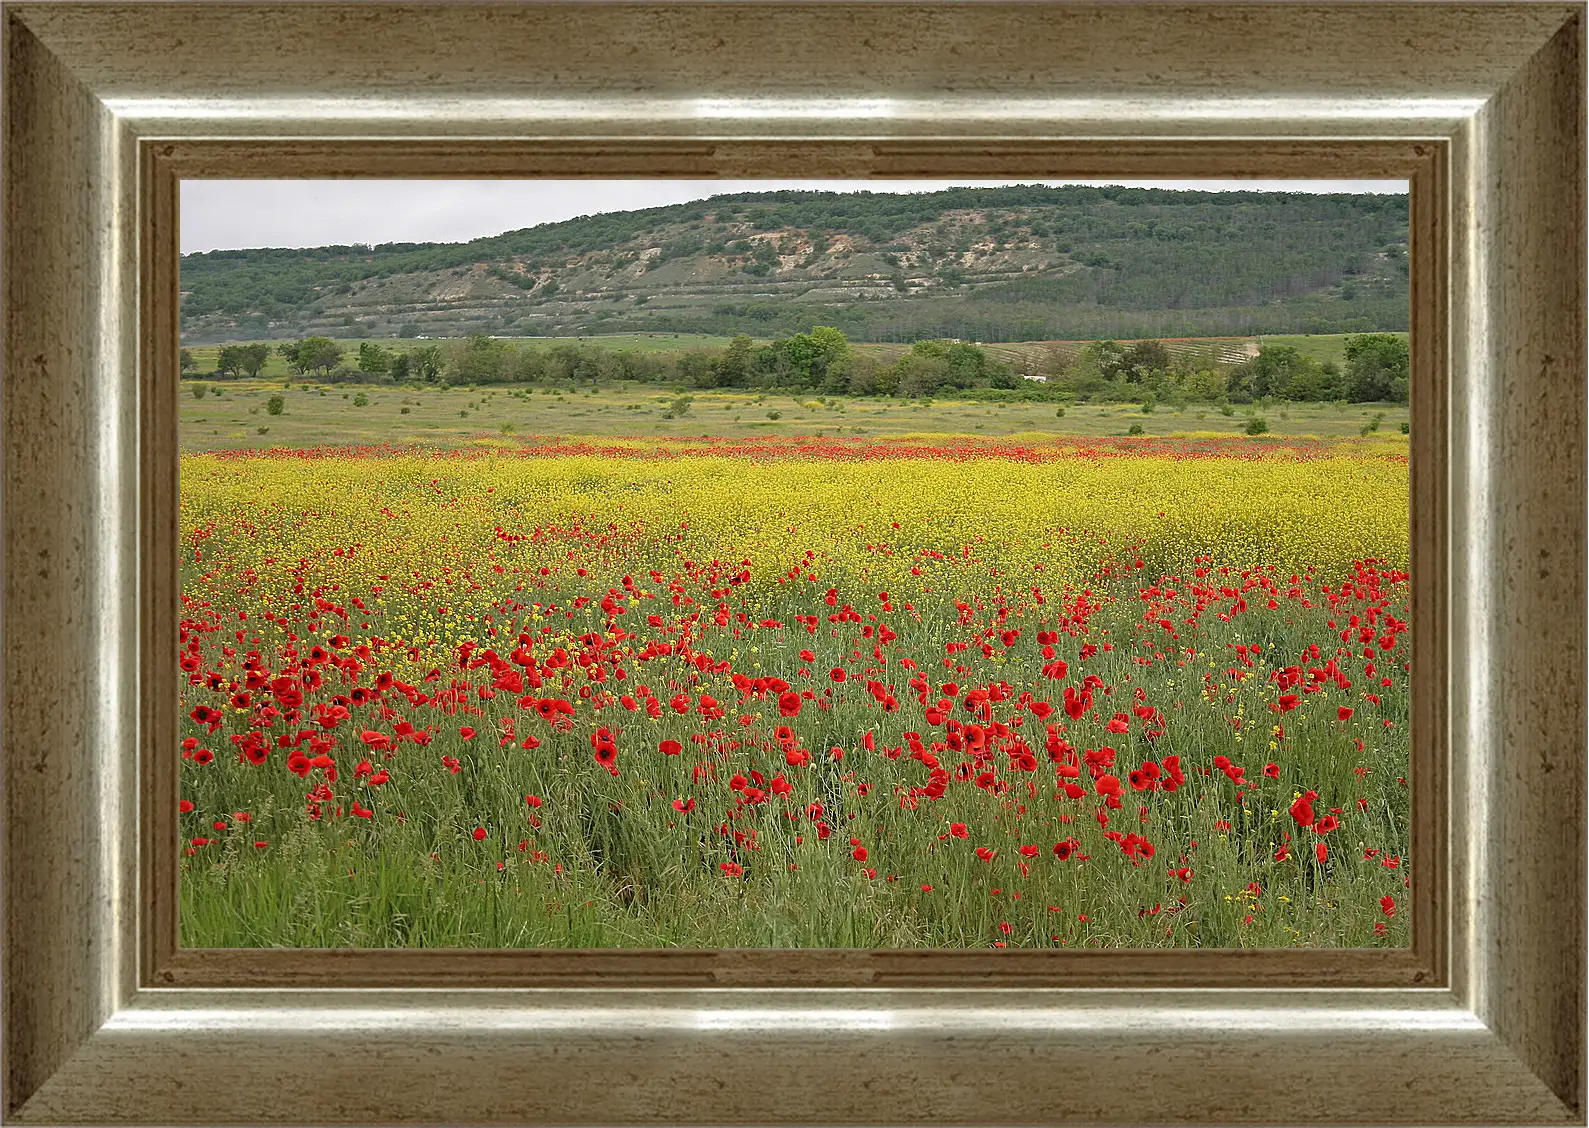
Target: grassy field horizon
230 414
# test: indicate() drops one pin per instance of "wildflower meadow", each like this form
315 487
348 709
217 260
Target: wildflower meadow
784 692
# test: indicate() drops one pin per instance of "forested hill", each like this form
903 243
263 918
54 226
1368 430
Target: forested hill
992 264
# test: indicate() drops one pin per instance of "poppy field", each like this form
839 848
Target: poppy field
906 692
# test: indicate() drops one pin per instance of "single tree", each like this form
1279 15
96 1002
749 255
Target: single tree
252 359
373 359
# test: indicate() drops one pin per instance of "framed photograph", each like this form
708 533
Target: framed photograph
135 994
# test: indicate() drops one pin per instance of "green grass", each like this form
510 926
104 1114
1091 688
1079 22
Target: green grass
326 414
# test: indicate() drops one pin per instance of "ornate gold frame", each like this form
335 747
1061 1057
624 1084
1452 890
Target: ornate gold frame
106 107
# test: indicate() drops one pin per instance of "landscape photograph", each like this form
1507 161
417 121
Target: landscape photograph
642 564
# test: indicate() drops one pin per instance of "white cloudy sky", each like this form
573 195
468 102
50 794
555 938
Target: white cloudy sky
225 214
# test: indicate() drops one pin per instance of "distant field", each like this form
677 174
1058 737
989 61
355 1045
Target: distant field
327 413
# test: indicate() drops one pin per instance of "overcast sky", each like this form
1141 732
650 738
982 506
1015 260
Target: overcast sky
228 214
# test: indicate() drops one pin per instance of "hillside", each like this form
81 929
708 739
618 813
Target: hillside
994 264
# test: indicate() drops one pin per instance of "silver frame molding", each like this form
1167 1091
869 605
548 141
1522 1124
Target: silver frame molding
1481 106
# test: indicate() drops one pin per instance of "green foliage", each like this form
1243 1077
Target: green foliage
361 400
374 360
186 362
199 390
1134 429
312 354
275 405
1377 368
425 363
1257 425
241 360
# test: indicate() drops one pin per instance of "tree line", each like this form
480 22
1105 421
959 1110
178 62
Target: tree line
1376 368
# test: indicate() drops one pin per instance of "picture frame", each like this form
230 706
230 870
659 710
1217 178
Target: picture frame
107 106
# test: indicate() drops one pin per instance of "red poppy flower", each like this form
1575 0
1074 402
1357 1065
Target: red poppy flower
959 830
789 703
1272 771
859 853
1321 852
985 854
1344 713
185 805
1387 905
670 748
466 732
479 834
1302 809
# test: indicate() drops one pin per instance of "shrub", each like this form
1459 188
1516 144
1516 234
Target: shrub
275 405
1257 425
1226 410
261 430
361 400
1149 402
1060 413
1406 427
1134 429
200 390
775 415
403 411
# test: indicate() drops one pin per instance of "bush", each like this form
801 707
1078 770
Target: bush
1406 427
1226 410
1134 429
1149 402
1257 425
361 400
775 415
200 390
403 411
262 430
275 405
1060 413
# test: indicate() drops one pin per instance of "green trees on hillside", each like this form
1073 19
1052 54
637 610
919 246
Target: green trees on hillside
1102 261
